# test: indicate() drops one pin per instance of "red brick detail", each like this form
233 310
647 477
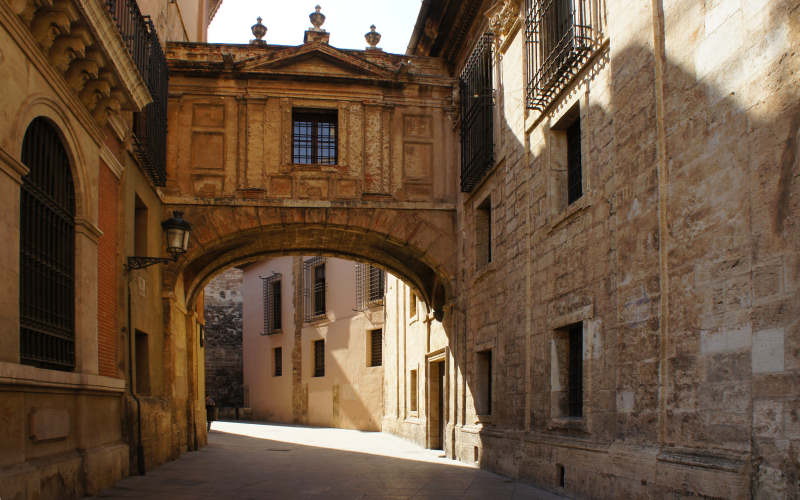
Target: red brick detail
107 264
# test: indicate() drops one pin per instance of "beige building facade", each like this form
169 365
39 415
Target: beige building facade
593 201
75 188
321 364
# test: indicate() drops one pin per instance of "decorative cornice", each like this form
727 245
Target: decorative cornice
24 39
109 38
12 167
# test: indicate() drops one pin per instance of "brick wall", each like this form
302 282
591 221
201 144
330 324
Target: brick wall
108 197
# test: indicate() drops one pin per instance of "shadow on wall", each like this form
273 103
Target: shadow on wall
677 381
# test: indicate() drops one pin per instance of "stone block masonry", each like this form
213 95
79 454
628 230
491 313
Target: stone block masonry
223 339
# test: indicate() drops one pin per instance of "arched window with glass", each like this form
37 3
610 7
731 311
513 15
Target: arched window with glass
47 251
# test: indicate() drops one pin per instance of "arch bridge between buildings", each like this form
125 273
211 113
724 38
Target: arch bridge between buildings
312 150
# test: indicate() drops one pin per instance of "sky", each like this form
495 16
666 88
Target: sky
346 20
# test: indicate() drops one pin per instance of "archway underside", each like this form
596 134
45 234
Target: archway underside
421 254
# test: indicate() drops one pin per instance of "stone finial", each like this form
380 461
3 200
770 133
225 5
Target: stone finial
259 30
316 33
317 19
372 37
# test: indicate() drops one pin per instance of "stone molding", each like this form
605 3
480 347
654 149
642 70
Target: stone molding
89 229
23 375
24 38
13 168
111 161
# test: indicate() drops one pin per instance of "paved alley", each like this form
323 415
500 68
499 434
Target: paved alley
269 461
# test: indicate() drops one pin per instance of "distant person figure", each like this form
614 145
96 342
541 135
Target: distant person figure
210 410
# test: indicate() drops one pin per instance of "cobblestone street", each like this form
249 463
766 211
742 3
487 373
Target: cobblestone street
267 461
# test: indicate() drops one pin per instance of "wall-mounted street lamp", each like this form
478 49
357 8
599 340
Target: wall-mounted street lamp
177 231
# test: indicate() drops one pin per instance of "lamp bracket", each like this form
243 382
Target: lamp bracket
135 262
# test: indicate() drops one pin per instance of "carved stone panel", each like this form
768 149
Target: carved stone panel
208 115
376 149
207 151
419 127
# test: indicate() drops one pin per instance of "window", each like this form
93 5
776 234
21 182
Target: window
370 286
314 137
412 390
558 40
319 358
477 124
566 161
142 363
483 398
139 227
47 251
375 347
567 382
277 356
412 304
314 289
483 234
271 289
574 172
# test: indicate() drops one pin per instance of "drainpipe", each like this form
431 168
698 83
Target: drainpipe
139 445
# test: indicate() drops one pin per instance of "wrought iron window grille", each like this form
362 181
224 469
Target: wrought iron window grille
271 289
314 289
278 362
477 114
370 286
150 124
376 348
47 251
314 137
559 39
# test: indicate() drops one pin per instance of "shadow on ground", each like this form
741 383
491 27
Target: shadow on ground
271 462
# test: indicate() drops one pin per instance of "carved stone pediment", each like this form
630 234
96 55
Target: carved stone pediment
315 60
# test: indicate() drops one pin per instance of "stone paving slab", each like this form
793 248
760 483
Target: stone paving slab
271 461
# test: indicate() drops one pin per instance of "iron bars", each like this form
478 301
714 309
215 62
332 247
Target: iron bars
477 109
370 286
47 251
150 124
559 39
271 287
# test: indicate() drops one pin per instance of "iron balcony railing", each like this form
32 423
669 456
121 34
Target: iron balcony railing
558 40
150 124
477 108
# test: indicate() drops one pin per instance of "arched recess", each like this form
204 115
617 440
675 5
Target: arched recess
47 250
415 249
39 106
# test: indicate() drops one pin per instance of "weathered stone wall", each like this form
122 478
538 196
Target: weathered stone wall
223 338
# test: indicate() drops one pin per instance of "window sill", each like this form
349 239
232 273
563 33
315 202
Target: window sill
571 211
484 271
25 375
568 424
317 321
274 332
483 419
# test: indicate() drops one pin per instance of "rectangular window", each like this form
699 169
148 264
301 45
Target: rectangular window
278 361
319 358
412 390
370 286
271 289
142 363
483 403
412 304
314 289
477 109
576 370
483 234
139 227
314 140
574 168
567 375
559 39
376 348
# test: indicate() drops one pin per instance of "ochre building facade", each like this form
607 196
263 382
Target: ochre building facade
590 206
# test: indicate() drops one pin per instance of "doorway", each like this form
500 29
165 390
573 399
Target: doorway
437 419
